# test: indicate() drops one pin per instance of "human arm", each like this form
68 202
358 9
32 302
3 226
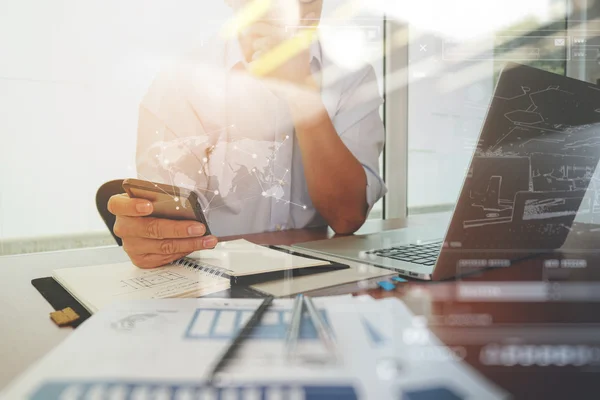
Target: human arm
335 179
340 146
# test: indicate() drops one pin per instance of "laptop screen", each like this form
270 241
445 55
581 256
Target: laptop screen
533 179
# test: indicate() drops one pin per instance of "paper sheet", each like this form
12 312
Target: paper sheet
406 356
242 257
100 285
162 349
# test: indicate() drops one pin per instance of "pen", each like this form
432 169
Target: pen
240 337
320 325
294 329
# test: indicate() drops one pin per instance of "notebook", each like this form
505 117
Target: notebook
100 285
200 274
239 258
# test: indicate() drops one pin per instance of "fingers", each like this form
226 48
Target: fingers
149 253
151 242
168 247
152 253
156 228
146 261
123 205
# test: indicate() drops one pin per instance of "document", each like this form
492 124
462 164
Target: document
163 349
408 358
100 285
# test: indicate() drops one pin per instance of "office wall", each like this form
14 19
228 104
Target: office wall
71 78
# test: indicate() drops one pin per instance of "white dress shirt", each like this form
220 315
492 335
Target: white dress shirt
207 125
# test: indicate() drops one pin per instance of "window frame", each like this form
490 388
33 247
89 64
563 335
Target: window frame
396 64
396 119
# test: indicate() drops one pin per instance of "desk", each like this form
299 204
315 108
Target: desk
28 334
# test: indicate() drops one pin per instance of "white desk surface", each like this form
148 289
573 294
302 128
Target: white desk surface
27 333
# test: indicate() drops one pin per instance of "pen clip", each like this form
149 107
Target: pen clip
323 329
294 329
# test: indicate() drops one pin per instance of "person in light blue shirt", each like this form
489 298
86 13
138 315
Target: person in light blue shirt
267 129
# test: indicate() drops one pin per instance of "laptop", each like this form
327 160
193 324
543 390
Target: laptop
531 176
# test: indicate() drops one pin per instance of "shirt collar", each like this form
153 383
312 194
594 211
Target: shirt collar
235 56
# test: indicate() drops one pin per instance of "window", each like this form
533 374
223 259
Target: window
72 77
454 59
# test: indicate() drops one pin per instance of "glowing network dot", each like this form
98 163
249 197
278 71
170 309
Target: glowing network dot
200 171
304 207
205 159
176 198
166 161
264 193
157 132
216 192
177 208
155 185
287 136
254 156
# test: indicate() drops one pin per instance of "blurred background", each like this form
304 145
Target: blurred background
72 75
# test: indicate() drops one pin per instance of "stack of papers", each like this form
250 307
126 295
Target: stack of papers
163 349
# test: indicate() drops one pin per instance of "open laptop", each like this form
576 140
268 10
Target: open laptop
531 175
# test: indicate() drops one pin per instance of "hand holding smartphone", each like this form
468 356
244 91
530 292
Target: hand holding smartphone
170 202
159 223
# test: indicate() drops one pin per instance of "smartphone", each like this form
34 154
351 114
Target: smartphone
170 202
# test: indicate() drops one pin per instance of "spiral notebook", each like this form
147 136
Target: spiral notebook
200 274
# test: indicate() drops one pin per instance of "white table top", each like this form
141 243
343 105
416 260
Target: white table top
27 331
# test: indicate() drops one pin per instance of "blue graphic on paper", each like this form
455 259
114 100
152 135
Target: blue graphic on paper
434 393
168 390
214 323
376 337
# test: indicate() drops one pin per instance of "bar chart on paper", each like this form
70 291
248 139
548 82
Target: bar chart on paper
207 323
188 390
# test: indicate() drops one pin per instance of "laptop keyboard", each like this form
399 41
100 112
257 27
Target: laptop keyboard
424 254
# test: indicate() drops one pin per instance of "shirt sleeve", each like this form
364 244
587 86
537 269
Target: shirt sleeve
361 129
170 134
172 144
